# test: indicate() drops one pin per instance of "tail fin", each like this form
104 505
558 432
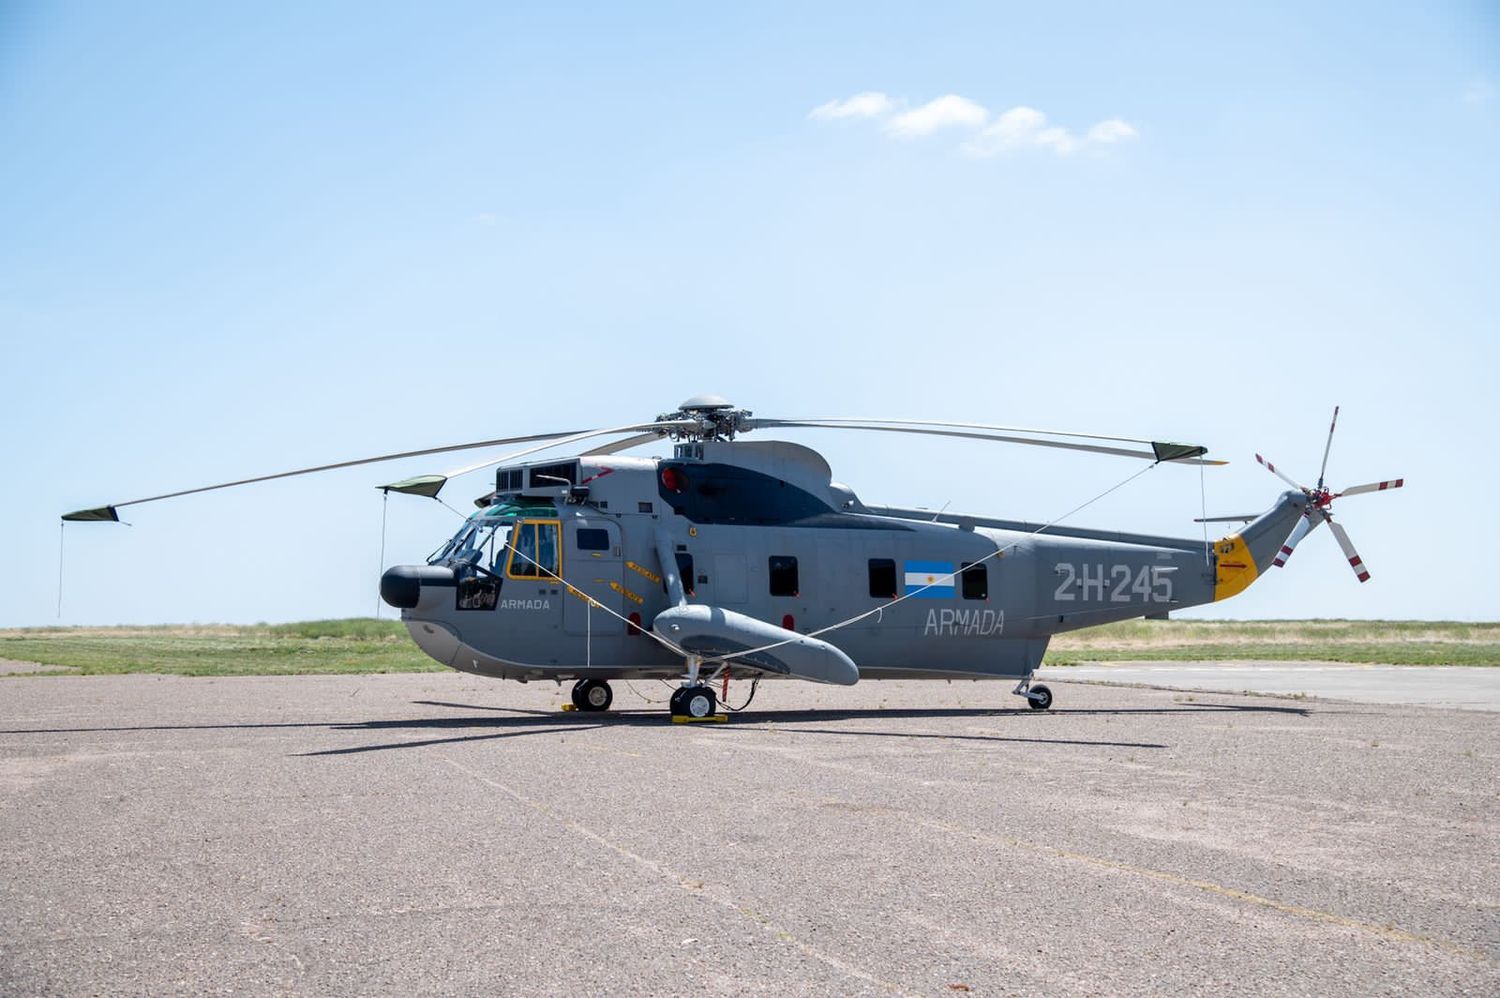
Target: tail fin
1240 558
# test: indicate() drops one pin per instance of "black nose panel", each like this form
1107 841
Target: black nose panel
401 586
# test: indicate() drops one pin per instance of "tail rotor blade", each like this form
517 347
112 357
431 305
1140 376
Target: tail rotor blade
1272 469
1302 529
1322 469
1349 552
1394 483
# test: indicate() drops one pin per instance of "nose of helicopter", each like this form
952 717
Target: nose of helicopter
401 586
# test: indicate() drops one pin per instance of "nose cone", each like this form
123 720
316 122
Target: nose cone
401 586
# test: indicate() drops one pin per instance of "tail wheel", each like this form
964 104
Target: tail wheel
1039 698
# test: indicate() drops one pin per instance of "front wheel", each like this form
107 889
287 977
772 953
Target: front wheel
1039 698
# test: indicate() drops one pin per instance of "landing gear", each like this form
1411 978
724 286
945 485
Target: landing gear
1037 697
693 701
592 695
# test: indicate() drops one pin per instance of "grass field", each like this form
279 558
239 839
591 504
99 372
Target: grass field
367 645
1392 642
320 646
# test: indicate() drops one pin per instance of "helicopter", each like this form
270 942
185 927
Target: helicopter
745 559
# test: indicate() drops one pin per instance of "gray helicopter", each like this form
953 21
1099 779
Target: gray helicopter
746 560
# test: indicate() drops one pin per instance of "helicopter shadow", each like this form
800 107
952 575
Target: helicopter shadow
520 722
513 722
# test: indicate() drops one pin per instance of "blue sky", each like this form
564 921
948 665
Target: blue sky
238 241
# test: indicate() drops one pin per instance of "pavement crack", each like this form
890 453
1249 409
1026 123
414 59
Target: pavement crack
695 888
1387 932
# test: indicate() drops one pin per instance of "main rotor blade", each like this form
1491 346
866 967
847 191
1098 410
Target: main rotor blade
1176 453
1354 560
431 485
108 512
1272 469
1227 519
619 445
847 420
1304 527
1394 483
1323 468
657 430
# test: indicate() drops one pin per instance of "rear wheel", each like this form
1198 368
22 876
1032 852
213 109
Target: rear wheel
592 695
1039 698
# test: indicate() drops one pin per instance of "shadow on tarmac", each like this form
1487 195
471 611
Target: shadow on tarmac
518 722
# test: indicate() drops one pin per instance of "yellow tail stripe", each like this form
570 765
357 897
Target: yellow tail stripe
1234 569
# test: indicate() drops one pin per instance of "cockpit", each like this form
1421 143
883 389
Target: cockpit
521 542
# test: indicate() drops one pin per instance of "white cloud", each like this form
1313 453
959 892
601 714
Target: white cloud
870 104
1112 130
1026 127
948 111
1019 128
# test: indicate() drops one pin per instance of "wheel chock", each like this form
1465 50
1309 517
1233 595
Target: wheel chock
711 718
570 706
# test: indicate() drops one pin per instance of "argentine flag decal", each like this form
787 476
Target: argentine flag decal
936 576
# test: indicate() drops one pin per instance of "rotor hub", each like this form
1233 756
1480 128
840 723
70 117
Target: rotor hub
715 418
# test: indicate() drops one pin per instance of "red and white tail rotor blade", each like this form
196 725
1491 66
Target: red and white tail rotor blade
1323 468
1349 552
1394 483
1272 469
1302 529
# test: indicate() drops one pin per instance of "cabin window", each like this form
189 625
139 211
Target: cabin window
976 581
783 575
593 539
882 578
534 550
685 573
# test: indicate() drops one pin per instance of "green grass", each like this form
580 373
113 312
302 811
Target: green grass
363 645
314 647
1395 642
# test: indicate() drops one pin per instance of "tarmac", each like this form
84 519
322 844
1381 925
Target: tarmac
1463 687
441 834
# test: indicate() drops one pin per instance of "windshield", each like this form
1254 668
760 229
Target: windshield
483 538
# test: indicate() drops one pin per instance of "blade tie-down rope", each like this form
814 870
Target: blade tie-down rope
61 536
1208 559
385 503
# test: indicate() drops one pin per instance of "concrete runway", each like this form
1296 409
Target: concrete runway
439 834
1463 687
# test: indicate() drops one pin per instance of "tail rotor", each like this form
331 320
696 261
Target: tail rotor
1319 509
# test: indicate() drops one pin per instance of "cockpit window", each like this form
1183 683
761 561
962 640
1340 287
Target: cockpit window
534 550
484 539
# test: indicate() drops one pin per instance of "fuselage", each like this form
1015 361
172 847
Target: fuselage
569 577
